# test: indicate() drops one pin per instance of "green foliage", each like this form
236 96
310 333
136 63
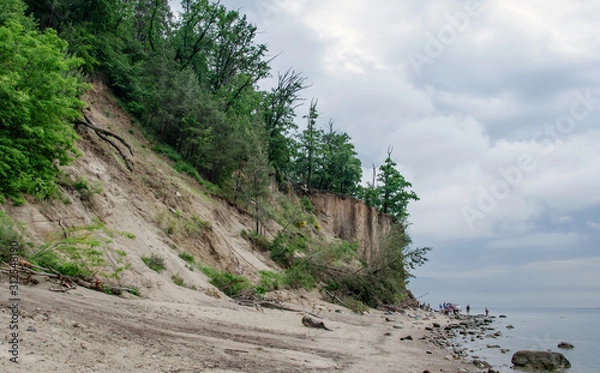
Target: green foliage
187 257
269 281
81 252
258 240
283 248
154 262
40 100
82 185
9 232
133 291
307 204
393 192
302 274
229 283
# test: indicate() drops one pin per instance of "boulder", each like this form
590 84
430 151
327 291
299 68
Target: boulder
565 345
540 360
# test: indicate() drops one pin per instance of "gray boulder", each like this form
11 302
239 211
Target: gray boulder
540 360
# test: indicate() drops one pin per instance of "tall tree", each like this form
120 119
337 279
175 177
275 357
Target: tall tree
341 171
310 146
394 193
278 111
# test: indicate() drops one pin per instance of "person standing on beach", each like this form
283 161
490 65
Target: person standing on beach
468 309
487 312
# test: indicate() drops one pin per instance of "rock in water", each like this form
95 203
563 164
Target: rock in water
565 345
307 321
540 360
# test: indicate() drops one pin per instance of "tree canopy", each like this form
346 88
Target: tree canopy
40 100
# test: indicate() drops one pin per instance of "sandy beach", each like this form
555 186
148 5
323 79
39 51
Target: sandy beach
88 331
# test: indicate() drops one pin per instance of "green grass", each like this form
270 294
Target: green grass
155 262
187 257
229 283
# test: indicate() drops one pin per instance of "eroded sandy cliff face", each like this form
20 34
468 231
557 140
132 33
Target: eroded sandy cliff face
168 213
351 219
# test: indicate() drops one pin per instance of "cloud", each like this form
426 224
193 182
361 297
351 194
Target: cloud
494 125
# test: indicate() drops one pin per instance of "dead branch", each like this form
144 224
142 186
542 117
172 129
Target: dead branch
104 134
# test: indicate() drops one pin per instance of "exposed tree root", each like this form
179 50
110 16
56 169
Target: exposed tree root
104 135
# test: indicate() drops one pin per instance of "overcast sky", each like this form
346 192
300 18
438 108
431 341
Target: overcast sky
493 111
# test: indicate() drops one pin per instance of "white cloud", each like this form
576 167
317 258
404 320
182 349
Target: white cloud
461 126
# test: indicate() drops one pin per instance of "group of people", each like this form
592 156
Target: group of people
448 308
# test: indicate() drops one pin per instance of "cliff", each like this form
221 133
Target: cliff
162 212
351 219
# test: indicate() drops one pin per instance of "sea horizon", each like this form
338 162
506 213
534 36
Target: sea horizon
541 328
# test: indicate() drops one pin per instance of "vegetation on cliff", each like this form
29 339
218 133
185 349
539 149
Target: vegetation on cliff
191 82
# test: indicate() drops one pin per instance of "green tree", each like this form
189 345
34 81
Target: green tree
40 101
393 192
341 171
278 110
310 147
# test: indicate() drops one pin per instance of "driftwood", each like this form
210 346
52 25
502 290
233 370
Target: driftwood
265 304
60 282
104 135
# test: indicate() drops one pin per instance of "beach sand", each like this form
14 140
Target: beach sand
88 331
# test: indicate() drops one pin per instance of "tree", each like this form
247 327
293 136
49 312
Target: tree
40 101
341 171
393 193
278 111
309 146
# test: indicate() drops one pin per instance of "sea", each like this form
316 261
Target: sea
542 329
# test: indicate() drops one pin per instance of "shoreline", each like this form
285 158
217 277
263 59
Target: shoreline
88 331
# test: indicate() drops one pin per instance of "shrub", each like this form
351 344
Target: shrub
178 280
229 283
155 263
187 257
269 281
301 275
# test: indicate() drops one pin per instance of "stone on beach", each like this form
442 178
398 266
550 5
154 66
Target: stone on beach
540 360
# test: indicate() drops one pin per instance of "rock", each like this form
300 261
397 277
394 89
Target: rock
481 364
493 346
462 370
565 345
540 360
407 338
509 327
502 316
436 325
31 329
307 321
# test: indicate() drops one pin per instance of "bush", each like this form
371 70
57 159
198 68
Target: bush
258 240
301 275
269 281
187 257
178 280
9 232
37 135
229 283
155 263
